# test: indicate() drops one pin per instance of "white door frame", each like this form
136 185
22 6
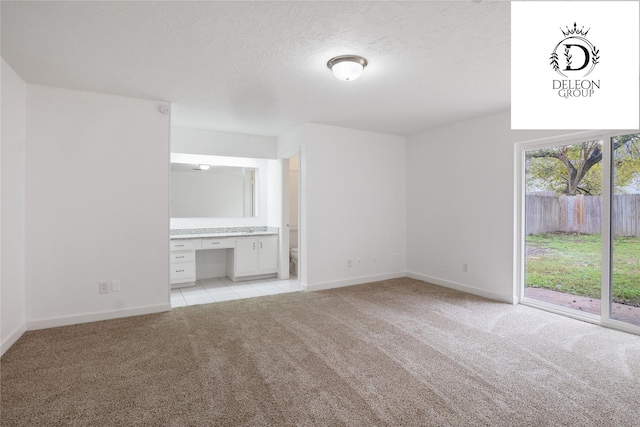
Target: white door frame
284 226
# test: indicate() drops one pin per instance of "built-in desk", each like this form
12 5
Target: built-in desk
252 252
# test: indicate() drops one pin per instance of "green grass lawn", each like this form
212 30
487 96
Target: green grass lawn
570 263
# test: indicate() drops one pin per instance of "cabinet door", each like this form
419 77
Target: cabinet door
182 256
268 254
180 245
246 256
182 272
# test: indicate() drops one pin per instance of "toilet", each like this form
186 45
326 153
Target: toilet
293 261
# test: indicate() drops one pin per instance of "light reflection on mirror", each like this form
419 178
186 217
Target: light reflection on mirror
219 192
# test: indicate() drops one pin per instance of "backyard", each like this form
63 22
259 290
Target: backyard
570 263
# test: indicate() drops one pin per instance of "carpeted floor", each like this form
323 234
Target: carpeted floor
399 352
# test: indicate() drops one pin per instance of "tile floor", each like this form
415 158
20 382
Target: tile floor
220 289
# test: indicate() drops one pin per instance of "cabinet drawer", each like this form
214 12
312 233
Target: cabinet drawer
182 271
218 243
182 256
180 245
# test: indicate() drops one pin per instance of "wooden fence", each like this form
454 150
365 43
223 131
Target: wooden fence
580 214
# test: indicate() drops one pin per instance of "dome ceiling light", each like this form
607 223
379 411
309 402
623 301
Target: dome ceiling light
347 67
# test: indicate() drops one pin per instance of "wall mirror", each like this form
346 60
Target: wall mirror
220 191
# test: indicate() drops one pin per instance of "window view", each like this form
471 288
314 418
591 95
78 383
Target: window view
563 219
625 229
562 225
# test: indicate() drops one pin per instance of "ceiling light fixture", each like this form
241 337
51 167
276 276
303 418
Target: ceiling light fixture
347 67
204 167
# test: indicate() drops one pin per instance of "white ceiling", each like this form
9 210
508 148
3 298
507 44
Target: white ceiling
260 67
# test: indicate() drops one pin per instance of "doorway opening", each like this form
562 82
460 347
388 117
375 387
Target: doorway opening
292 247
294 217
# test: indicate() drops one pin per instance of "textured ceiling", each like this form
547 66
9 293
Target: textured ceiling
260 67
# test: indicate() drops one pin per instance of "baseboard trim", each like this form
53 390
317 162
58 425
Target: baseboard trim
54 322
510 299
12 338
353 281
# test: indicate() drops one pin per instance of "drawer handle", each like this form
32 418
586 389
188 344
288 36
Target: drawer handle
179 271
179 246
182 256
215 243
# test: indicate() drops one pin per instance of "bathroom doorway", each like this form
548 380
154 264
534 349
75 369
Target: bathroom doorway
294 217
292 247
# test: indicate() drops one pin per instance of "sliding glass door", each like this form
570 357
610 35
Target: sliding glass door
581 228
625 229
563 193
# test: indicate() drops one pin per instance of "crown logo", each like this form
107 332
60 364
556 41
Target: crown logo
574 43
575 30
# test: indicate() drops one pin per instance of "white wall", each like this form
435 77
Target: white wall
202 141
97 205
12 211
355 205
460 204
293 142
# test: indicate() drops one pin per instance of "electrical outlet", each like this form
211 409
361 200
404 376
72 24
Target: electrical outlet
103 287
465 267
349 263
359 262
374 261
115 286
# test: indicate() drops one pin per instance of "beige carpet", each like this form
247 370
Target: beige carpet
399 352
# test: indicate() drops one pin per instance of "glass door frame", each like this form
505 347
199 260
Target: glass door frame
607 247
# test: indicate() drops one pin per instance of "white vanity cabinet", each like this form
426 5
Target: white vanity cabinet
182 261
253 256
217 244
268 255
238 254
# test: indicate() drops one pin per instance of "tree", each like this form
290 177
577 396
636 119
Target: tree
577 168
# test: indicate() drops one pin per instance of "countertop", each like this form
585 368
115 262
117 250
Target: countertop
209 233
